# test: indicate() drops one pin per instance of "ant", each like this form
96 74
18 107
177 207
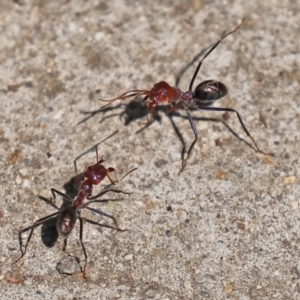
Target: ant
66 217
204 95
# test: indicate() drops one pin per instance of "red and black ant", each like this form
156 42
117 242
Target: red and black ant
66 217
205 94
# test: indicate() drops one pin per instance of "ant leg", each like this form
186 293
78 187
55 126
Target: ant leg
208 52
98 224
174 107
126 95
193 143
100 212
77 181
127 174
95 146
116 182
106 191
150 117
242 124
66 197
111 181
82 245
36 223
65 244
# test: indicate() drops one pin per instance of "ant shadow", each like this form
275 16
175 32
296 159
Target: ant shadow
49 232
215 120
134 111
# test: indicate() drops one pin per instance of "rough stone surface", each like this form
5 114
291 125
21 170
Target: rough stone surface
226 228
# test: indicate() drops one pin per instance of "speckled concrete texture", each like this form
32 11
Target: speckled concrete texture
228 226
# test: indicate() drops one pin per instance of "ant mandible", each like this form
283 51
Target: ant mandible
202 97
67 216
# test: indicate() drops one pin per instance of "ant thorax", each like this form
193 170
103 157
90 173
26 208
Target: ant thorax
162 94
187 99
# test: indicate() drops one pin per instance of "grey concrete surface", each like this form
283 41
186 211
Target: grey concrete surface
226 228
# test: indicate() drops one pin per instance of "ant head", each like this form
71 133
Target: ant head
161 93
209 91
95 174
66 221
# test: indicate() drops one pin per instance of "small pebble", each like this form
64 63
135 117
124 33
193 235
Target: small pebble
210 286
228 288
151 292
169 233
267 160
26 184
146 269
161 162
149 205
18 180
289 179
99 36
295 205
14 280
58 115
23 172
221 175
27 282
111 205
187 285
128 257
241 225
41 287
298 267
68 265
